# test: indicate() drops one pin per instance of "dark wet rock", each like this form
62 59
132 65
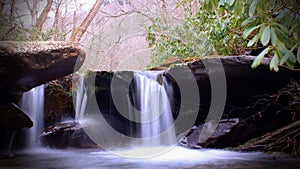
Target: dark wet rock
66 134
241 81
13 119
24 65
219 138
285 139
242 84
99 88
58 104
263 114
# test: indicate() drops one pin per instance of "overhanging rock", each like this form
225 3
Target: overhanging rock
25 65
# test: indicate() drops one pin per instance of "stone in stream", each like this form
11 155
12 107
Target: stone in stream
66 134
219 138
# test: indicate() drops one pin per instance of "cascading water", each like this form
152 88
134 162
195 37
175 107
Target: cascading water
154 105
81 98
150 98
32 102
136 122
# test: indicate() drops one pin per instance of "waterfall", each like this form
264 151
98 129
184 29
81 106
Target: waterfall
156 127
32 103
147 108
80 98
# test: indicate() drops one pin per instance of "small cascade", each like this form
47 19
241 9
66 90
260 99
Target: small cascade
156 116
81 98
150 119
32 102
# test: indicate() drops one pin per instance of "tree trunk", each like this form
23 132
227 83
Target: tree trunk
33 10
78 33
42 18
57 21
12 11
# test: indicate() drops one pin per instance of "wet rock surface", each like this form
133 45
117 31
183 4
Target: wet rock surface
58 104
66 134
218 139
13 119
285 139
269 121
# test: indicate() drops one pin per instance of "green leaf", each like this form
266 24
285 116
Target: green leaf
273 37
265 38
282 13
282 28
282 50
252 8
230 2
274 63
290 64
295 36
293 28
289 55
254 40
298 54
259 58
249 30
282 37
247 21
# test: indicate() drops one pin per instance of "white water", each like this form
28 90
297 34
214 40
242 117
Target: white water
32 103
155 126
81 98
156 114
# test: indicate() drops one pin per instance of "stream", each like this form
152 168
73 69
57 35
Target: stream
178 157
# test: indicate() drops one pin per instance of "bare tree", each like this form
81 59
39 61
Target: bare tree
33 10
42 18
78 33
12 11
57 25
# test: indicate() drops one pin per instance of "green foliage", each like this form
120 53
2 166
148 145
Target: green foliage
212 30
230 27
15 32
275 26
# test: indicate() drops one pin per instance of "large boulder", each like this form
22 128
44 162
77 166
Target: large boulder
241 82
24 65
218 139
13 119
66 134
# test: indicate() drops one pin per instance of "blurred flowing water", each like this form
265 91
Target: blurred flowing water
178 157
32 103
154 105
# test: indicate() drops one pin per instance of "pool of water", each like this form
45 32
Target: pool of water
178 157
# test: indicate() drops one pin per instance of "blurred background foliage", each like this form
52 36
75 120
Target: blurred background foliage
231 27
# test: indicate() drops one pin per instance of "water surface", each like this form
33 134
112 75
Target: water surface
177 158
